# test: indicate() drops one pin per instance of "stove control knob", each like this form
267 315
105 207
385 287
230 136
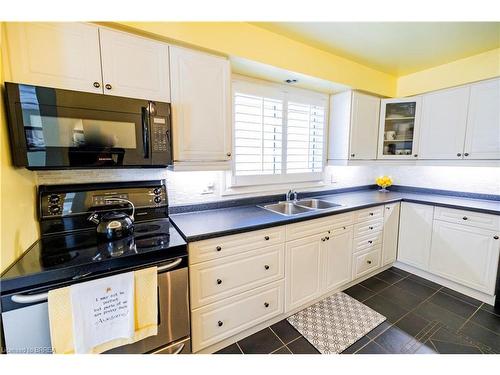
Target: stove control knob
157 191
54 209
157 199
54 198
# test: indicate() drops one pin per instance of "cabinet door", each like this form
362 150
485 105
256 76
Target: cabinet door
60 55
134 67
466 255
338 257
390 234
303 272
364 126
444 118
415 232
339 126
200 106
482 139
399 128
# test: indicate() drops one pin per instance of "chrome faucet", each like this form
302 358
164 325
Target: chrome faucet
289 195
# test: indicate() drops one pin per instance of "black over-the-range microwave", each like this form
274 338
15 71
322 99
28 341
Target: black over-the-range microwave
59 129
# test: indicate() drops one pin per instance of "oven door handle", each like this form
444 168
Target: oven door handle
169 266
20 298
33 298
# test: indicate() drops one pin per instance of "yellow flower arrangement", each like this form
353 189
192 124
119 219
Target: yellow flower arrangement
384 182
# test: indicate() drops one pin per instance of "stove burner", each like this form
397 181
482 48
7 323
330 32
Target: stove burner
144 228
156 240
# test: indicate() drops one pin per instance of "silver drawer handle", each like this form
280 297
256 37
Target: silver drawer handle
20 298
179 349
170 265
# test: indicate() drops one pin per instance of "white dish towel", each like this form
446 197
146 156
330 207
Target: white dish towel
103 310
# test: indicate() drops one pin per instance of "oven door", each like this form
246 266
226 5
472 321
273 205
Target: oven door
173 318
26 329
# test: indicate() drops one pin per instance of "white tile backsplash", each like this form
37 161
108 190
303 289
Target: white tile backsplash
208 186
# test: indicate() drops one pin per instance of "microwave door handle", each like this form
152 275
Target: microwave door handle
145 131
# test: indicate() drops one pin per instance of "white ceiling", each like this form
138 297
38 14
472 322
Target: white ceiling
397 48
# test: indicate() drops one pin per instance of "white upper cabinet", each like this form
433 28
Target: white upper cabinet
60 55
444 119
364 126
353 126
85 57
482 139
399 128
133 66
200 87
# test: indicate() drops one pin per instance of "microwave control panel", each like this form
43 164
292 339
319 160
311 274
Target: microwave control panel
160 136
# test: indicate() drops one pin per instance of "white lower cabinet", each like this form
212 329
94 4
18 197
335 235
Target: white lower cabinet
365 262
242 280
390 235
303 270
466 255
217 279
415 233
215 322
337 258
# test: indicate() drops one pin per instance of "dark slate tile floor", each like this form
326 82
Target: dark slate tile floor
422 318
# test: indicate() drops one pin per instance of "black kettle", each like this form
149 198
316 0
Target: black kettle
114 225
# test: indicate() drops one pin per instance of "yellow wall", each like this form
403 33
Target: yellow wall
474 68
247 41
19 228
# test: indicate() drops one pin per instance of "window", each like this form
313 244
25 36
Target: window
279 133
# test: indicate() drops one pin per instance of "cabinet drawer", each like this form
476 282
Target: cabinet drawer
368 228
220 247
217 279
312 227
474 219
365 262
369 241
215 322
369 214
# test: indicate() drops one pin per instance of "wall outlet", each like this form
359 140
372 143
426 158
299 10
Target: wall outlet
209 189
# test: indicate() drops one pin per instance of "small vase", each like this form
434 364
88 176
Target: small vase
383 190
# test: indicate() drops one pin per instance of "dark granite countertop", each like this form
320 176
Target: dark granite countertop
199 225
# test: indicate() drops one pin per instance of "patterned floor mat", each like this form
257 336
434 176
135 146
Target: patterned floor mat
335 323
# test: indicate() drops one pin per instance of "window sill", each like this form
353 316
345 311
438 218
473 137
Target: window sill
271 188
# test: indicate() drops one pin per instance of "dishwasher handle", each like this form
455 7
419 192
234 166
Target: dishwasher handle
169 266
31 298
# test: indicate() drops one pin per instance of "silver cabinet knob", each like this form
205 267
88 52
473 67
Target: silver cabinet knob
96 84
108 86
228 154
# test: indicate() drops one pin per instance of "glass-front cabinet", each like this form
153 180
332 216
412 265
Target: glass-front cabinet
399 128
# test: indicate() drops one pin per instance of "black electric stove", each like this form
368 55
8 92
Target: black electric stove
70 248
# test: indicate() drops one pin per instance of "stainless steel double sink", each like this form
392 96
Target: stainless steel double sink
290 208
